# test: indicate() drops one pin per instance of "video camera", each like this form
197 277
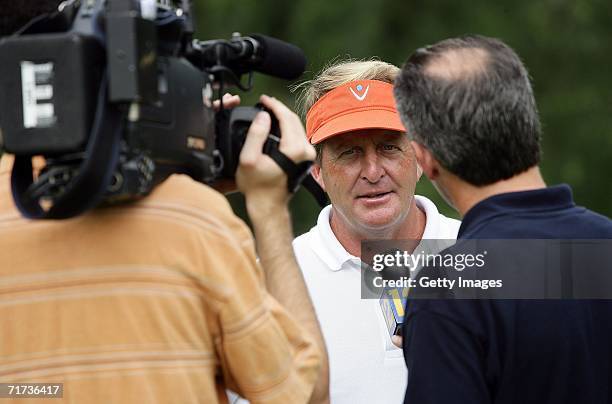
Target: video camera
116 95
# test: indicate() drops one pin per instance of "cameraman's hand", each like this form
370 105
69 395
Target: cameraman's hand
229 101
225 185
258 177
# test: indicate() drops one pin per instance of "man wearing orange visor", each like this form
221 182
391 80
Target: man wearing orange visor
367 167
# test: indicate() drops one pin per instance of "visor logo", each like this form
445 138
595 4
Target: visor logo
359 90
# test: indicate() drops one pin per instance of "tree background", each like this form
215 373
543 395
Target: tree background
564 43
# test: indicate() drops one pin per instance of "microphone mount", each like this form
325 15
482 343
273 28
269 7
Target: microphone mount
216 55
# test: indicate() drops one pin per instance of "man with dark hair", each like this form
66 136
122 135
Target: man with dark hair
469 106
480 100
162 300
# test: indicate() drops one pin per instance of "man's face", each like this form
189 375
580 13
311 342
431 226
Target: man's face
370 177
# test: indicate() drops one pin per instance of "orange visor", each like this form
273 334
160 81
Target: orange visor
358 105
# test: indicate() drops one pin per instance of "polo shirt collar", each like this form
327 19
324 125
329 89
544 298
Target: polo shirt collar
335 256
432 217
537 200
329 248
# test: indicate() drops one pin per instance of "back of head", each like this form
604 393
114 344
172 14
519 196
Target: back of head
470 102
15 14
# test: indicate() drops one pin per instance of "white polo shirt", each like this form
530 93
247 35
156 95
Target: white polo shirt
365 367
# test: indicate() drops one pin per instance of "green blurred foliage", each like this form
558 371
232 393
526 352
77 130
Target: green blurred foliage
564 43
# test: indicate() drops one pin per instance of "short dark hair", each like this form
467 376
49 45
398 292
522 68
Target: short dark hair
470 102
15 14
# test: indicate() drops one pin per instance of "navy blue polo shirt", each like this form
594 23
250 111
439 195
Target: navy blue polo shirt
514 351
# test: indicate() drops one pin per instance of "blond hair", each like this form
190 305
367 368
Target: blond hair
337 73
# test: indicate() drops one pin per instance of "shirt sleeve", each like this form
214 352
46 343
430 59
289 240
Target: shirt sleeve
265 355
444 359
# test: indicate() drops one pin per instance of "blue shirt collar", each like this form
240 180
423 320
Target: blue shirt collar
538 200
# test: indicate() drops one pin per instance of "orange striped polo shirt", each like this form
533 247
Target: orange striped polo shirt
157 301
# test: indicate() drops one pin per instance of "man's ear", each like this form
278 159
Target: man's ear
316 174
426 160
419 171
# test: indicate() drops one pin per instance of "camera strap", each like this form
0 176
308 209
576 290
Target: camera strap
93 175
298 174
315 190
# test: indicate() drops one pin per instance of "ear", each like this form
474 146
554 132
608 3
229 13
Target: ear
419 171
316 174
427 163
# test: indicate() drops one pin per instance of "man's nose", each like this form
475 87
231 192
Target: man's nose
372 169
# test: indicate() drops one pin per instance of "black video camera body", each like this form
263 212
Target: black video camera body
117 95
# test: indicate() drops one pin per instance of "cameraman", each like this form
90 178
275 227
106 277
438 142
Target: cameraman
162 300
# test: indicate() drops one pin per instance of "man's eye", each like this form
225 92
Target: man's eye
390 147
347 152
